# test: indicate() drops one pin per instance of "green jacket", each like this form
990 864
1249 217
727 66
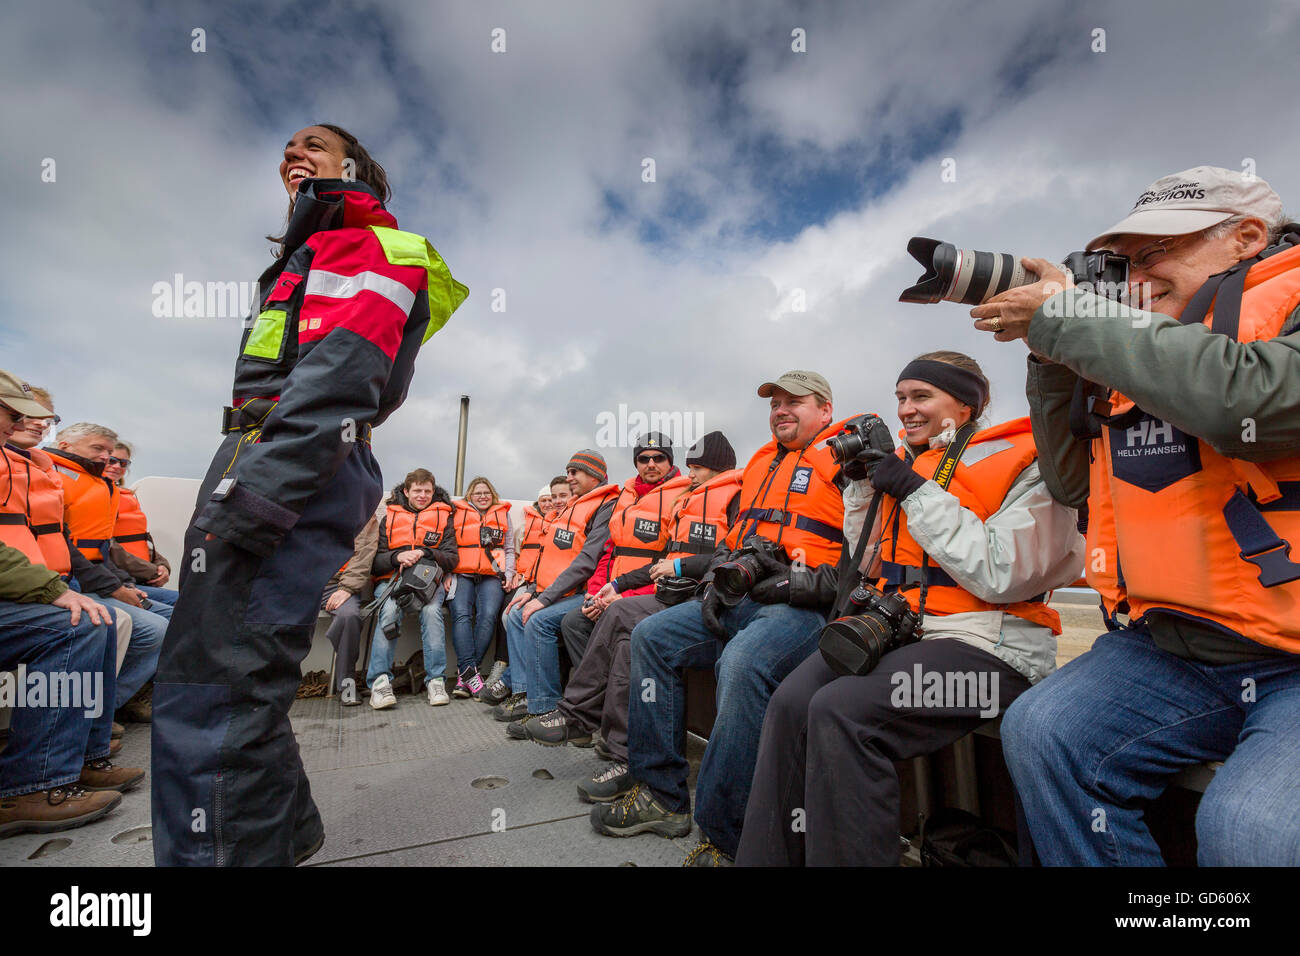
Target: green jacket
24 582
1204 384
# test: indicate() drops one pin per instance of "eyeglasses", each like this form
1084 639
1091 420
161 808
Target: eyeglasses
18 417
124 462
648 459
1153 253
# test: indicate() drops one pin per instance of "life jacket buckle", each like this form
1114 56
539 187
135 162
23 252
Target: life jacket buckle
1275 565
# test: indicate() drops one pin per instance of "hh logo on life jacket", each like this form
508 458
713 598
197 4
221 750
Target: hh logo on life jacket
493 537
800 480
431 539
1153 454
563 539
704 534
645 530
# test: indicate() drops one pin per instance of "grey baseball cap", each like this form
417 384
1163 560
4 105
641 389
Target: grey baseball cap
1196 199
797 382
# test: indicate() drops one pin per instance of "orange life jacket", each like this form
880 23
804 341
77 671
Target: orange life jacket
1102 571
794 502
469 523
702 520
89 507
45 514
567 533
642 527
131 529
1198 534
414 529
530 544
993 460
14 484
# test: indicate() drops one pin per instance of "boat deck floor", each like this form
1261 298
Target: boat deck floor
410 786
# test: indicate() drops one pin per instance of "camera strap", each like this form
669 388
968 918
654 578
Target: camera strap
943 477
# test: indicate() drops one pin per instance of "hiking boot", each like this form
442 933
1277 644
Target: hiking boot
139 709
707 854
59 808
437 690
114 747
494 675
553 730
101 774
495 693
118 730
381 694
607 785
518 730
602 749
638 811
512 708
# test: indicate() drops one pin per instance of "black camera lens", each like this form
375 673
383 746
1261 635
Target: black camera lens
846 447
854 645
733 580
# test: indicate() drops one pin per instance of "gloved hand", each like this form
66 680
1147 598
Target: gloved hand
894 476
774 586
711 608
880 443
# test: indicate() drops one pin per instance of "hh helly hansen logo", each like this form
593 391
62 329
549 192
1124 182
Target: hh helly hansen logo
1153 454
646 530
563 539
703 534
430 539
495 536
799 481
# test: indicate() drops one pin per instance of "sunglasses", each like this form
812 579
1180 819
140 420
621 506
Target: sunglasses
650 459
124 462
18 417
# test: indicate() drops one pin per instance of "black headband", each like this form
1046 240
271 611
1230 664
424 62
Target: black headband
967 387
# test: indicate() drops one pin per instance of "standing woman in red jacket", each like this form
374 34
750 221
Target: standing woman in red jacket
328 355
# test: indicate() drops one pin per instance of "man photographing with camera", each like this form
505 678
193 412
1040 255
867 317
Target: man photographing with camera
1191 416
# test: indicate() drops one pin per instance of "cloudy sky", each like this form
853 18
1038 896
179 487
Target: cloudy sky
780 178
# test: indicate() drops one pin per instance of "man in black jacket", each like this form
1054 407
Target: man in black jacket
417 528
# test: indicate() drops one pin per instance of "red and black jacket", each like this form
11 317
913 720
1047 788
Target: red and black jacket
333 345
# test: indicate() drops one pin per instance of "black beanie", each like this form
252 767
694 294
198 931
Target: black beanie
653 441
713 451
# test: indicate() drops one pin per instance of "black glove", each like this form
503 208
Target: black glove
711 608
894 476
773 589
880 443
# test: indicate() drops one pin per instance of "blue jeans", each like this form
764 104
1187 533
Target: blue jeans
541 637
1093 742
160 595
479 596
768 642
433 635
148 628
48 745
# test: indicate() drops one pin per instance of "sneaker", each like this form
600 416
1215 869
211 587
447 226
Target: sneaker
494 675
637 811
473 682
59 808
553 730
495 693
512 708
460 691
607 785
381 693
518 730
707 854
437 689
101 774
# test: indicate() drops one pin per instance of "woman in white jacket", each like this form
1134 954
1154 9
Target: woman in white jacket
975 548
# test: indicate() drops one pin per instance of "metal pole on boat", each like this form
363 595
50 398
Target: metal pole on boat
460 445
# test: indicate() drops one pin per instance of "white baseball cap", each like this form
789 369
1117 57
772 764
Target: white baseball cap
1196 199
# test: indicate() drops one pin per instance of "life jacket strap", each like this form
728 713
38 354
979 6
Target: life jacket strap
1259 543
803 523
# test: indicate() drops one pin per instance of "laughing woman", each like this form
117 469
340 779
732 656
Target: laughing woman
343 311
970 537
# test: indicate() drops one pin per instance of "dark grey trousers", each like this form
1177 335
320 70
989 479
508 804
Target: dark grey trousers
345 634
596 695
825 790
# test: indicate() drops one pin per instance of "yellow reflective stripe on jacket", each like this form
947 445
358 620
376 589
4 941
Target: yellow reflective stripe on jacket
411 249
267 335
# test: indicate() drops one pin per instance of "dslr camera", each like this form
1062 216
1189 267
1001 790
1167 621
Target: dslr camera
733 579
973 277
876 624
860 444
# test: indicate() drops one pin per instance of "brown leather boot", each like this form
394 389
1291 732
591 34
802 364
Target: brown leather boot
118 730
102 775
113 747
59 808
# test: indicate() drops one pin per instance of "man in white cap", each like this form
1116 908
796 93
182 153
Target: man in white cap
1192 429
